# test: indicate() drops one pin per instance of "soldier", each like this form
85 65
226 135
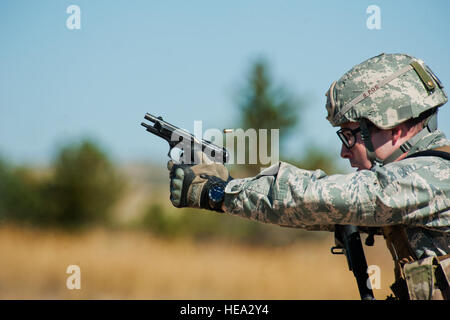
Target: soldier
386 108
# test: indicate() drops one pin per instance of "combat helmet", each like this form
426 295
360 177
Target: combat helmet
386 90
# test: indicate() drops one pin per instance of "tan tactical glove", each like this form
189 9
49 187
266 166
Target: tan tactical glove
198 186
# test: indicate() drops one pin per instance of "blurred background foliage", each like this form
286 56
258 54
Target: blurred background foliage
201 225
79 190
264 104
82 186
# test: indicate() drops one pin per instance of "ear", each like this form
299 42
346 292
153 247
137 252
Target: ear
397 133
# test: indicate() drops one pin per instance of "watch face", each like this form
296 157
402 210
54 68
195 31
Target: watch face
216 193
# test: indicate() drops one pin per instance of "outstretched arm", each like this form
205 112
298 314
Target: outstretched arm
409 194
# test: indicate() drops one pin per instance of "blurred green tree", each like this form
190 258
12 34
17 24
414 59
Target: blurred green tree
263 105
80 191
20 198
84 186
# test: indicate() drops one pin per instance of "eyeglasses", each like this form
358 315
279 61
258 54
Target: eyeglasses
348 136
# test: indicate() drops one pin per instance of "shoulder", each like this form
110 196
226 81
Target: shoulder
424 169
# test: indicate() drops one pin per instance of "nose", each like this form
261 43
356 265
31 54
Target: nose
345 152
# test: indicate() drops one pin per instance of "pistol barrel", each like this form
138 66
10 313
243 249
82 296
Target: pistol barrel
150 128
152 118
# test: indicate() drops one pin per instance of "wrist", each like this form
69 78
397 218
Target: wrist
216 195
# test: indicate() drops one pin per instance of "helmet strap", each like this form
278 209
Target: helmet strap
406 147
431 125
370 150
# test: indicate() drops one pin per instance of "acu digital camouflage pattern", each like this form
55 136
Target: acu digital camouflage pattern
413 192
402 98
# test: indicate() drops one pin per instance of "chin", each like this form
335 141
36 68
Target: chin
358 167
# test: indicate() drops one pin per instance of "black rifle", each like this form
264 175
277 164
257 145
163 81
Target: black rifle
348 242
190 149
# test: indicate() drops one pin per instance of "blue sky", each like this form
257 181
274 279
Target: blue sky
185 60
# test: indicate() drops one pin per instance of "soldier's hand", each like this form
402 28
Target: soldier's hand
190 185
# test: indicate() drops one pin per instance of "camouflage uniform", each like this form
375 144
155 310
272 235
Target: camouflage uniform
413 193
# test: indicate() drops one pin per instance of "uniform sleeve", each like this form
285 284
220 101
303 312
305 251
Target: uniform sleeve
396 194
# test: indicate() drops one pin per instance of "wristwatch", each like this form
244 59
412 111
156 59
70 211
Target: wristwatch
216 194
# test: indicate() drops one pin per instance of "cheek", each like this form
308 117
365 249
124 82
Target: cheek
360 151
381 139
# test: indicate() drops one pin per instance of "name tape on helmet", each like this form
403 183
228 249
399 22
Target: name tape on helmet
371 91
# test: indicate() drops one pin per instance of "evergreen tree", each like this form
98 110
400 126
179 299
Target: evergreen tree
263 105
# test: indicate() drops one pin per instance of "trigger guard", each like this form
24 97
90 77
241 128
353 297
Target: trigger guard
180 156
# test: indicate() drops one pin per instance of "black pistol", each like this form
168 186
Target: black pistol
185 148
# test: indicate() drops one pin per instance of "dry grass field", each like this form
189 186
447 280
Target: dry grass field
133 265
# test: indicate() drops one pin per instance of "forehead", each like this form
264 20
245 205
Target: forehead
350 125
